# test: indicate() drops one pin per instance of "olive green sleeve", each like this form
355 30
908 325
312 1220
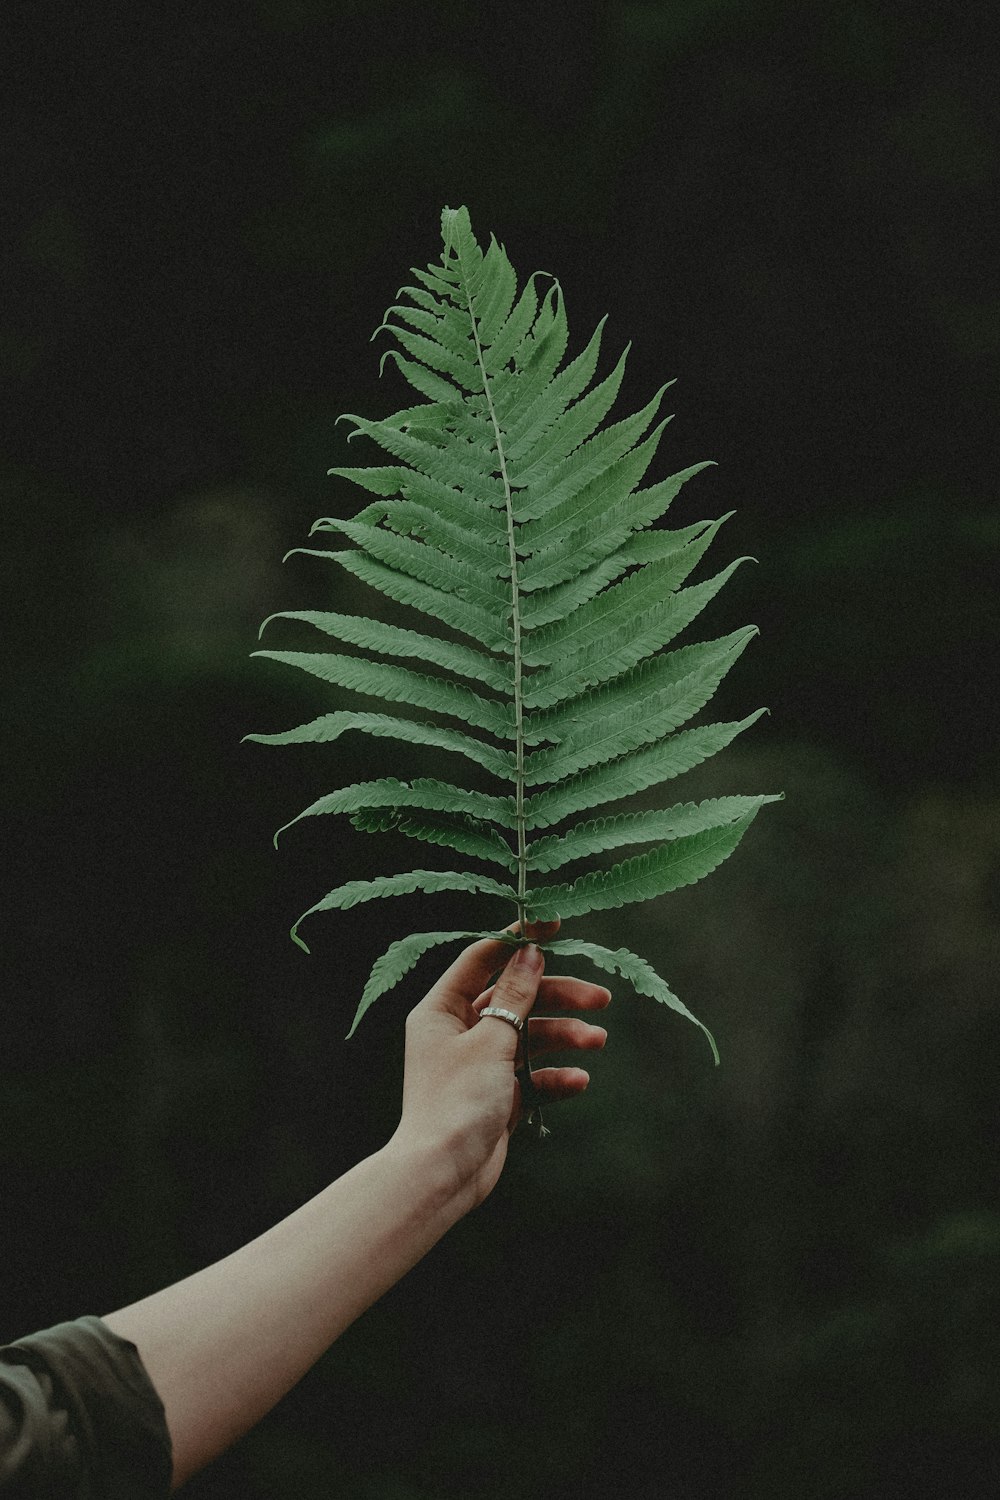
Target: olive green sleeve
80 1418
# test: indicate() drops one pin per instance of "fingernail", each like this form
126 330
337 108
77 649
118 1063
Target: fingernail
529 957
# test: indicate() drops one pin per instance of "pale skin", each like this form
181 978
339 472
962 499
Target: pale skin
224 1345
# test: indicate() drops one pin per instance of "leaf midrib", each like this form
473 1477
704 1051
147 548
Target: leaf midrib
520 818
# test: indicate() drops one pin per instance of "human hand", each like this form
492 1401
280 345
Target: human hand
461 1098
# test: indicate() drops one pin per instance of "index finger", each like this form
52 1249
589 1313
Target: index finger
476 965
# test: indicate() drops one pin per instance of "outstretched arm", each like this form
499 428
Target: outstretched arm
224 1345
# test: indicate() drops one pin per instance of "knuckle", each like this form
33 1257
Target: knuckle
517 986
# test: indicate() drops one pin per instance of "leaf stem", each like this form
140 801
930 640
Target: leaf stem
529 1094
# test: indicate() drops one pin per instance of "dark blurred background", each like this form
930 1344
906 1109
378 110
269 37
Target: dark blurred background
774 1279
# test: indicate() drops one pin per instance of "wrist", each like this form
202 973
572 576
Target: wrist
428 1177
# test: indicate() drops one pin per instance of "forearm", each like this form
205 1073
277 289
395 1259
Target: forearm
224 1345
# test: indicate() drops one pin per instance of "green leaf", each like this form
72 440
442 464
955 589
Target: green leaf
443 327
649 826
633 773
513 515
470 836
393 640
570 718
641 975
451 464
681 862
468 618
329 727
425 792
603 471
604 534
457 506
426 563
379 680
400 957
429 881
495 292
618 606
379 481
409 518
527 412
624 643
637 709
514 331
430 352
422 379
536 457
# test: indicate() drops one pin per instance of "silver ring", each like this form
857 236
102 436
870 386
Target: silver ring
504 1015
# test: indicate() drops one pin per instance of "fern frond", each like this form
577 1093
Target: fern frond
681 862
400 957
641 975
575 633
428 881
379 680
527 413
453 504
513 515
600 834
537 457
633 773
605 534
584 619
514 332
534 390
458 464
442 326
430 352
495 292
641 706
625 643
467 835
405 589
409 518
380 481
329 727
570 717
593 478
425 792
393 640
423 380
427 564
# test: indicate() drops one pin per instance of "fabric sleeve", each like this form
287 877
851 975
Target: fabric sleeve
80 1418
